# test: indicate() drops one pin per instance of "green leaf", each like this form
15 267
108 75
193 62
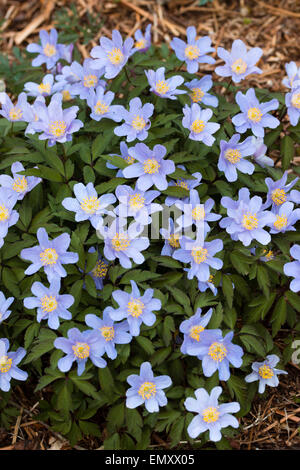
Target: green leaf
287 146
279 316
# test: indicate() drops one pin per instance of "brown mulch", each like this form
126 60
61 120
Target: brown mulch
273 423
274 26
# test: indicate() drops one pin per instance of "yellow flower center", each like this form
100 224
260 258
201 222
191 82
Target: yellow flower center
115 56
195 332
140 44
48 256
101 108
81 350
138 123
4 214
162 87
192 52
254 114
20 184
151 166
90 81
5 364
66 95
182 184
57 128
120 242
239 66
211 279
129 160
210 415
48 303
90 204
198 213
199 254
197 126
135 308
269 255
15 114
217 351
278 196
136 202
108 332
44 88
100 270
147 390
280 222
197 95
265 372
174 240
250 221
233 155
296 100
49 50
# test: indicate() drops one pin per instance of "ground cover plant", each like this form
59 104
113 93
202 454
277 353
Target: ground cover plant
118 328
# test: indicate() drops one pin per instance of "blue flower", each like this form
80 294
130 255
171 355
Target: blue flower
165 88
280 192
79 347
142 41
293 75
285 218
265 373
199 89
196 213
195 51
145 388
203 286
54 123
8 365
200 256
135 308
239 63
292 102
232 157
211 416
100 104
196 121
21 111
45 88
293 269
194 331
137 120
137 204
99 272
216 353
8 216
151 168
187 184
246 218
87 205
125 155
112 54
259 155
172 238
124 244
19 184
88 79
109 332
49 254
49 303
254 114
48 52
4 305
